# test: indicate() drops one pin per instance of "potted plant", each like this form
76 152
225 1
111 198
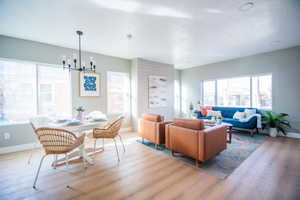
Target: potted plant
191 107
276 122
80 111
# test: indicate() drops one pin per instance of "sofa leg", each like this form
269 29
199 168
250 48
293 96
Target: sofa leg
173 153
252 133
142 140
197 163
156 146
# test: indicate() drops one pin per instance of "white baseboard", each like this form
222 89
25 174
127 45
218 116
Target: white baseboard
21 147
293 135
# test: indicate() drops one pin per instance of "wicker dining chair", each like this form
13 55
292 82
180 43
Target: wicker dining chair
110 131
56 142
37 122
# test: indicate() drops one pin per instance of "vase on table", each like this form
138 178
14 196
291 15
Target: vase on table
79 116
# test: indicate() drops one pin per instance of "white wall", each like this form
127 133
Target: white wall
18 49
283 64
141 70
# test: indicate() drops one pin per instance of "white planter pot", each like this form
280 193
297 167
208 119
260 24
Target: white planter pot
273 132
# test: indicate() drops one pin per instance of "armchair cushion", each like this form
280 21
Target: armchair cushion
152 117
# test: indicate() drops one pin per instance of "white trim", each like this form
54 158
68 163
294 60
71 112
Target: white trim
21 147
293 135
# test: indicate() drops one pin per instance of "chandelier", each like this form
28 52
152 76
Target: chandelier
78 64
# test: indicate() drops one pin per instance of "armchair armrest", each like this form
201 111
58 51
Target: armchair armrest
212 141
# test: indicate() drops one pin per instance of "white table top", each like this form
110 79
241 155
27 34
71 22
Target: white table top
83 126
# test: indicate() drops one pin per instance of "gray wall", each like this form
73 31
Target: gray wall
141 70
283 64
18 49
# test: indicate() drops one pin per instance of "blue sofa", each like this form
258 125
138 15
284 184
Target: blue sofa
227 114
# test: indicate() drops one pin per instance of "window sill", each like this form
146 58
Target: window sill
13 123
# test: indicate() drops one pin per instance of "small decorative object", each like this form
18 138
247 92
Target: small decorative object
157 91
80 111
219 120
89 84
276 122
78 65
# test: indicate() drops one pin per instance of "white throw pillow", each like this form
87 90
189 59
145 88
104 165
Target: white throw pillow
249 112
213 113
239 115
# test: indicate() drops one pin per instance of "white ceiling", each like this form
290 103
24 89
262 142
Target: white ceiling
185 33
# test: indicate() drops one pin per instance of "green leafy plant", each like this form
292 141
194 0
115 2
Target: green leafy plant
276 120
191 106
80 109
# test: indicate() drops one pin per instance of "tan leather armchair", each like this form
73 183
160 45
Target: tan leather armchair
191 138
152 128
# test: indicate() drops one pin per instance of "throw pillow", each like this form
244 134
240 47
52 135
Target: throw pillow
249 112
213 113
239 115
204 110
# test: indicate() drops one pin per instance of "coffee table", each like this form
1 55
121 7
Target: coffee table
229 128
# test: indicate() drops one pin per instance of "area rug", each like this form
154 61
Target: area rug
242 145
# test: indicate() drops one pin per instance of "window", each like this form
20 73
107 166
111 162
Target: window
54 91
209 92
234 92
27 89
177 97
251 91
17 91
262 91
118 93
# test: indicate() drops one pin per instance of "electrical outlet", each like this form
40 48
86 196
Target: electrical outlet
6 136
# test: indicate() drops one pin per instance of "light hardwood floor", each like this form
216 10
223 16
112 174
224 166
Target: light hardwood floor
271 172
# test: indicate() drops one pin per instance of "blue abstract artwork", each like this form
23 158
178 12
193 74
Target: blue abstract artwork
90 83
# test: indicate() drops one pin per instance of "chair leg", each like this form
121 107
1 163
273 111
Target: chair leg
55 161
38 171
67 160
103 143
173 153
95 141
117 149
122 142
29 159
142 140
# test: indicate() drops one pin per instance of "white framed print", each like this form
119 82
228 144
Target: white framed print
157 91
89 84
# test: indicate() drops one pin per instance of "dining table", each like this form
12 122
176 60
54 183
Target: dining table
78 130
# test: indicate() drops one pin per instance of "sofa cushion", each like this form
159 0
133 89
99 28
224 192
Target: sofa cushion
204 110
228 112
152 117
251 124
194 124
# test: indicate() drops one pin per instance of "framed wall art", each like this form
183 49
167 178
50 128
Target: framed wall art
89 84
157 91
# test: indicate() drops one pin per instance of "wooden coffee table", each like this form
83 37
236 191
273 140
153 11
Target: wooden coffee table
229 128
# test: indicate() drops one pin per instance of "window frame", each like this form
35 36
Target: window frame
36 90
129 94
251 88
